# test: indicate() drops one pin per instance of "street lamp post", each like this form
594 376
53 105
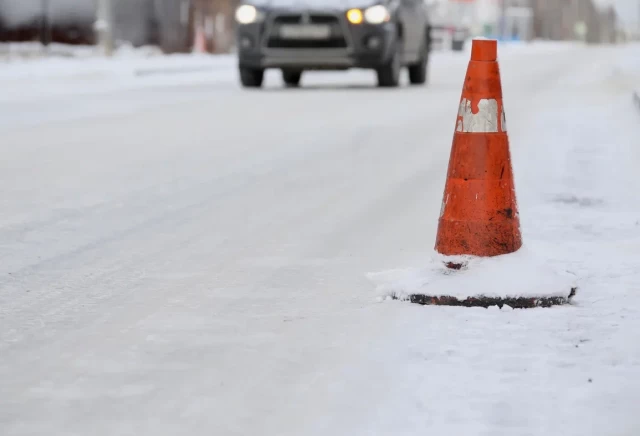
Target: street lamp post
503 19
45 25
104 27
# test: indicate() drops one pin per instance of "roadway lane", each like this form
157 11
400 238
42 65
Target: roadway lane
193 260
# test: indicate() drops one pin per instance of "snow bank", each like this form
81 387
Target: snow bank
36 51
48 69
72 62
86 71
20 51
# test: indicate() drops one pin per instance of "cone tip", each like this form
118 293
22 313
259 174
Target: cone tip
484 50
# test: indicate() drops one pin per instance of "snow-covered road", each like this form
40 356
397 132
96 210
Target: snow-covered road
191 258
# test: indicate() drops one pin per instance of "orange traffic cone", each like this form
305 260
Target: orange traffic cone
479 214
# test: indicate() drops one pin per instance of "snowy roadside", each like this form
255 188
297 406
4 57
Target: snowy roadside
536 270
84 71
580 228
20 51
22 61
93 67
577 366
628 70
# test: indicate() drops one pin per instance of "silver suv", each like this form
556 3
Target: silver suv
294 36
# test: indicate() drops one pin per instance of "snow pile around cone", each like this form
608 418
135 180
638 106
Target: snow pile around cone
521 279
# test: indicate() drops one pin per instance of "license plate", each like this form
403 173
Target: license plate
308 31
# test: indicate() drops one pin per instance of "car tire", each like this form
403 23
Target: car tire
251 77
389 73
291 78
418 71
457 45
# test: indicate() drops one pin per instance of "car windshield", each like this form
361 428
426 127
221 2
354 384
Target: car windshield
313 3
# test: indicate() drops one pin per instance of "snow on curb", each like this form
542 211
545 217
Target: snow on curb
16 51
523 274
50 77
28 62
48 69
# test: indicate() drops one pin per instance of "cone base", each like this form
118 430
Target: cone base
486 302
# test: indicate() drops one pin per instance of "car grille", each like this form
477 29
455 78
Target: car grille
306 43
313 19
337 39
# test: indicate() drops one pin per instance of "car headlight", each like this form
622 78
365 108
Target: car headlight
377 14
354 16
247 14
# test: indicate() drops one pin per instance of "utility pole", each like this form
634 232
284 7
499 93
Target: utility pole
104 27
45 23
503 19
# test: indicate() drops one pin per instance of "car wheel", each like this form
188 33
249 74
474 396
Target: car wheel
389 74
418 71
251 77
457 45
291 78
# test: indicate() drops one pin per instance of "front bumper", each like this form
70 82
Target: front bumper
350 46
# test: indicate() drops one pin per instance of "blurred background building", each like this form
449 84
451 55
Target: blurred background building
172 25
525 20
574 19
207 25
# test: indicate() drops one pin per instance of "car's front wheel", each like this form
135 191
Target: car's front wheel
251 77
457 44
418 71
389 73
291 78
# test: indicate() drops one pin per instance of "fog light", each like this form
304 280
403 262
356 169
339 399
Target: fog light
246 42
374 43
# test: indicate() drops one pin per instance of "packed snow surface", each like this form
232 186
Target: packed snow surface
182 256
524 273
